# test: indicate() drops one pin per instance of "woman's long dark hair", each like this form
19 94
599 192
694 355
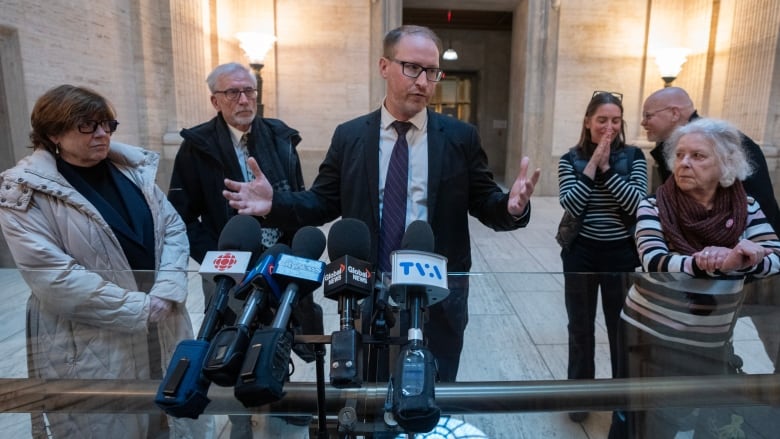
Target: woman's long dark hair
586 145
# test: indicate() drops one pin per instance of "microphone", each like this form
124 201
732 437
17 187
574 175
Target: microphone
226 352
419 278
417 272
217 266
183 390
347 279
266 364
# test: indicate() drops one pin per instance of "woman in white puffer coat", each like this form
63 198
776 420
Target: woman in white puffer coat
104 254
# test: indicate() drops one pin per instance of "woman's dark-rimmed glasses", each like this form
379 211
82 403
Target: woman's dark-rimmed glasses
618 95
90 126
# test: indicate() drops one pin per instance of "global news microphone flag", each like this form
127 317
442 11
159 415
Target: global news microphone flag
348 278
183 391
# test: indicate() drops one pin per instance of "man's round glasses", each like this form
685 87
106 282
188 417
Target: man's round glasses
647 115
90 126
616 94
413 70
233 93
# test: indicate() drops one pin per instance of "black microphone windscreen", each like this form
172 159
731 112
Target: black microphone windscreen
308 242
349 236
418 236
241 233
275 250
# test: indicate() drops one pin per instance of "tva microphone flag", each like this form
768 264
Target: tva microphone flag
415 267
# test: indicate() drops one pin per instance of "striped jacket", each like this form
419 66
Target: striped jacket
677 301
608 198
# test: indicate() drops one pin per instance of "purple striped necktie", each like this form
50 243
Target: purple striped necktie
395 196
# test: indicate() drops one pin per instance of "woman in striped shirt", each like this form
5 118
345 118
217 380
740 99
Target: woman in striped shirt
601 181
698 238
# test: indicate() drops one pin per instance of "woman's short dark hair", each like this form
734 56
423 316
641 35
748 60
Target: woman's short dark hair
601 98
61 109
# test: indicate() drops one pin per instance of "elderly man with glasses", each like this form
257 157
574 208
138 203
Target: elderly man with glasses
219 149
671 107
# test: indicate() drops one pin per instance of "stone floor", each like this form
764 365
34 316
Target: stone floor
517 331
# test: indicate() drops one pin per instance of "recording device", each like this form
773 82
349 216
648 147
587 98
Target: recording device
227 349
266 364
347 279
419 278
182 392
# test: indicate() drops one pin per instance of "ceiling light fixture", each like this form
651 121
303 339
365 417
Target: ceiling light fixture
450 54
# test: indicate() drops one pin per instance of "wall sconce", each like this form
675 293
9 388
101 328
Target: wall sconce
670 61
255 46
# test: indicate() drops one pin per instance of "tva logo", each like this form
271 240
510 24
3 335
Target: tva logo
423 269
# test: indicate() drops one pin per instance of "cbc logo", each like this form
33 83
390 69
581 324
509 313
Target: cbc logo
224 261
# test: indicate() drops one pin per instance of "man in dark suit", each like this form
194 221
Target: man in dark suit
448 179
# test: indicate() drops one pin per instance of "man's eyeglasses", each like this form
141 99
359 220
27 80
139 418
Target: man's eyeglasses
647 115
619 96
90 126
233 93
413 70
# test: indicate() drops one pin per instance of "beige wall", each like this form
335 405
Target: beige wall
151 58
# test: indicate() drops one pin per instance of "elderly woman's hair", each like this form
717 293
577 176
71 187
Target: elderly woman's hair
394 36
227 69
726 142
62 108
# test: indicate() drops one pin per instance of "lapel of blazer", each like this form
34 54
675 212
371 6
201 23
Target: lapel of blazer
435 159
370 139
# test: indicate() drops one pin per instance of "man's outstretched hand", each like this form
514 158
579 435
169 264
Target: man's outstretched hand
250 198
523 187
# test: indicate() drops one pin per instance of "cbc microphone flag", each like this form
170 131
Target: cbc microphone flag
225 263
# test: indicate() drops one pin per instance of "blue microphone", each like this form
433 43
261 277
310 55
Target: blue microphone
266 364
182 392
226 351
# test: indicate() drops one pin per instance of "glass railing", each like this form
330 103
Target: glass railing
512 380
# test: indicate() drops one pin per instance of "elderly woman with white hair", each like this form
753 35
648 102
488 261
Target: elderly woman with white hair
698 238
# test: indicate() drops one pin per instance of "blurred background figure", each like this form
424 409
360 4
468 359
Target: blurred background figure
105 257
601 182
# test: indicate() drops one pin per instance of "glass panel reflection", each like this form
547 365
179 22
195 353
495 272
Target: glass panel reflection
512 376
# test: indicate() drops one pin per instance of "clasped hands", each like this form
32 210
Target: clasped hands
745 254
256 197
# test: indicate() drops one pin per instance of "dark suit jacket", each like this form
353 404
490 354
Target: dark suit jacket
459 183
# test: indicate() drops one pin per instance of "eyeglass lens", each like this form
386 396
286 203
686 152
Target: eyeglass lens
414 70
90 126
234 93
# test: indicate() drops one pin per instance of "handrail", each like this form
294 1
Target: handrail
137 396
